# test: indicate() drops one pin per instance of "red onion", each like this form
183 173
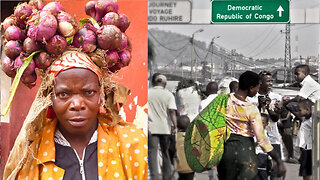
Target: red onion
90 26
86 39
43 60
109 37
12 49
29 69
104 6
53 7
129 46
30 45
124 22
67 25
112 58
90 9
56 45
124 42
23 34
13 33
9 21
22 12
125 57
116 67
37 4
29 79
42 26
7 67
111 18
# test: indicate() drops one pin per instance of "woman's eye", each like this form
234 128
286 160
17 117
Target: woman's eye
63 95
90 92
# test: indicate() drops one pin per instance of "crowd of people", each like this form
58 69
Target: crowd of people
261 123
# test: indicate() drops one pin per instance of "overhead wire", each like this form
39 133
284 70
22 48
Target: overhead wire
267 47
254 39
260 44
179 54
162 45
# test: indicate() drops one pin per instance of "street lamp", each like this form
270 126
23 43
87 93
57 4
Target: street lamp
192 53
212 44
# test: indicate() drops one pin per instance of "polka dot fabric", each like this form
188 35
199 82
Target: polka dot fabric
122 153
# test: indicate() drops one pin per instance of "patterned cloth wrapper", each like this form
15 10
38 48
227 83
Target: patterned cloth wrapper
205 136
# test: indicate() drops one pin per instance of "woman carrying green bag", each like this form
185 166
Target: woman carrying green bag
243 119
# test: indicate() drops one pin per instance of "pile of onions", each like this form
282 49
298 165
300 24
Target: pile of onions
106 31
35 27
37 33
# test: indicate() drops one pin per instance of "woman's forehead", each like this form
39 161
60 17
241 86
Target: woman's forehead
78 75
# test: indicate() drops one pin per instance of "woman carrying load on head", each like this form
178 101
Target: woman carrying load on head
73 130
243 119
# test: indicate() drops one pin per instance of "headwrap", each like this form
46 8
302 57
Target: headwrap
72 59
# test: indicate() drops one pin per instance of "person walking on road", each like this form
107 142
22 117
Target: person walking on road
161 116
243 119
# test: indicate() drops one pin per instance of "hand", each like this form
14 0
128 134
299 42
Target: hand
268 101
281 170
174 130
262 101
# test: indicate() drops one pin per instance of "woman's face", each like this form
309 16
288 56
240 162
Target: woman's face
76 100
253 90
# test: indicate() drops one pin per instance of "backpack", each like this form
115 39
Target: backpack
206 134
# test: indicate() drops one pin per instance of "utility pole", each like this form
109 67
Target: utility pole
211 48
287 56
191 40
192 53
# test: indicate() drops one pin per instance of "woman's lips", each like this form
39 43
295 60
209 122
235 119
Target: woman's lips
78 122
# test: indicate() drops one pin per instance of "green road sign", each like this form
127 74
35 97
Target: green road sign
255 11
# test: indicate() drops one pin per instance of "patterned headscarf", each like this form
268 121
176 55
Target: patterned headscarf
74 59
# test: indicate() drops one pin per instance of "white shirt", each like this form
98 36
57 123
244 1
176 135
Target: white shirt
160 100
310 89
204 103
304 139
272 128
188 101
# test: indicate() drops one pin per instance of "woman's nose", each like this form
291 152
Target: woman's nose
77 103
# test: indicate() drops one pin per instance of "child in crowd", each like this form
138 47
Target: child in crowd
285 128
304 140
310 88
264 163
185 172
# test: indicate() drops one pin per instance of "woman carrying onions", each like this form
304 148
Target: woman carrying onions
73 130
243 119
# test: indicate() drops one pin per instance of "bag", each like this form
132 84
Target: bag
206 134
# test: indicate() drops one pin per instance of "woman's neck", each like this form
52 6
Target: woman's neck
78 139
241 95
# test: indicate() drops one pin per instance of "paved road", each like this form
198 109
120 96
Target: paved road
292 173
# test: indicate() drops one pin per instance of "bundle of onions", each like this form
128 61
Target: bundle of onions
109 26
37 33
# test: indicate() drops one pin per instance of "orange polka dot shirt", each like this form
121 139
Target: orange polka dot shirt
122 152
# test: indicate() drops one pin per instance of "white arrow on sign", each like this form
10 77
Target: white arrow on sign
280 9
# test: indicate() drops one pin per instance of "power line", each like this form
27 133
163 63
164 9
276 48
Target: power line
217 53
268 45
259 45
164 45
175 57
254 39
